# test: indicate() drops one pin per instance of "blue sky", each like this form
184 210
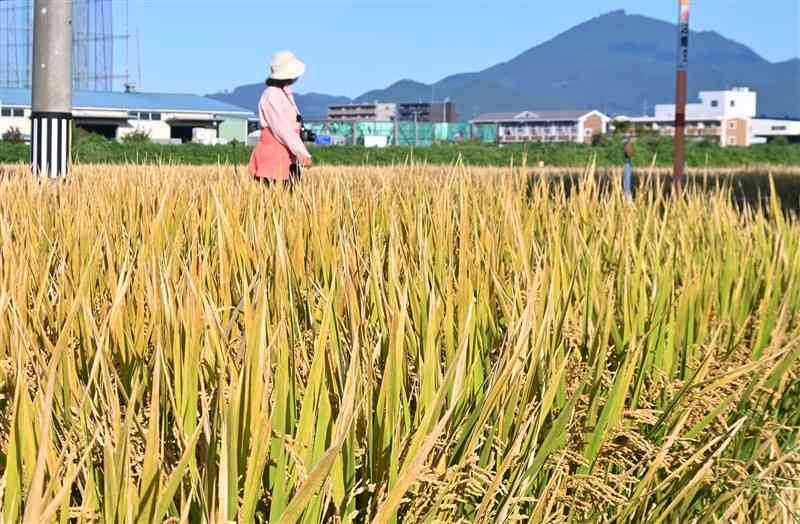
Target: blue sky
351 46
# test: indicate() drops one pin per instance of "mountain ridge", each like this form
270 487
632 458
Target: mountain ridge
618 63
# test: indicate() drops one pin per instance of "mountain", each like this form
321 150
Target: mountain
617 63
314 106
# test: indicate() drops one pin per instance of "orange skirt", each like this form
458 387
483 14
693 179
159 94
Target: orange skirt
270 158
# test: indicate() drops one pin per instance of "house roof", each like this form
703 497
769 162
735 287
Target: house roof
162 102
532 116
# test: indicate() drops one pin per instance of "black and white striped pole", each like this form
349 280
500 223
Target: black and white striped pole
51 117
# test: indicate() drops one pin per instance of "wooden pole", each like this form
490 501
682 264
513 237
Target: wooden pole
680 92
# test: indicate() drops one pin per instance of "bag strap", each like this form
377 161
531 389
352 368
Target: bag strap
291 100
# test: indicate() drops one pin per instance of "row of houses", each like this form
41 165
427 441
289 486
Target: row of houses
526 126
165 118
727 117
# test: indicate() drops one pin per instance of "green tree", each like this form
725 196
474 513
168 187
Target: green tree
622 127
14 136
138 136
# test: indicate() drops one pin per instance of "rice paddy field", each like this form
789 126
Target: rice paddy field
407 344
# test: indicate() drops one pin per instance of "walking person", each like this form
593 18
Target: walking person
627 177
280 152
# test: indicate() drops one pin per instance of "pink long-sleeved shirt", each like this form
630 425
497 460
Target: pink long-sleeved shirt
278 111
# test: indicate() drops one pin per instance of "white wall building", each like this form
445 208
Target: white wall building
739 102
725 116
765 129
166 118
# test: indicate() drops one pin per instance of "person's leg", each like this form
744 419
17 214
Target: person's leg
295 173
266 182
627 180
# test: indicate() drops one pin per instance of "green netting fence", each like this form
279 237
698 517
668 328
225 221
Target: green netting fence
452 132
384 129
415 133
485 132
405 133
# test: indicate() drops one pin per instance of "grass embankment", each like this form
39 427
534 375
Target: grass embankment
567 155
411 344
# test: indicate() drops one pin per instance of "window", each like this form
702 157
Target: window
733 103
731 141
779 128
731 125
6 111
714 103
143 115
18 112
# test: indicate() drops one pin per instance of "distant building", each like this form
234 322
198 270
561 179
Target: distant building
726 117
546 126
435 112
376 112
423 112
165 117
768 129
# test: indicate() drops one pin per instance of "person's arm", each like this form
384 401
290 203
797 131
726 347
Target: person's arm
277 116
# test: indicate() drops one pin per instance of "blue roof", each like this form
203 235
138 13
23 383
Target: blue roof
162 102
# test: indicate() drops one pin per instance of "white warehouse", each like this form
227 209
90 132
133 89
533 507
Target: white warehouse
166 118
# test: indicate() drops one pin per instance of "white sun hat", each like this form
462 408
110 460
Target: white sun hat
286 66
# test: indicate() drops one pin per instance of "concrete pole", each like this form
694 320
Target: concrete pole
680 92
52 88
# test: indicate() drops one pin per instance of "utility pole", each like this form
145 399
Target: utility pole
416 129
680 92
52 88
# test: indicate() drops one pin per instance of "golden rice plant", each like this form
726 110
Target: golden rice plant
406 344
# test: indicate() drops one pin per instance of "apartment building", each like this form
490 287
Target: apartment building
376 112
430 112
435 112
728 117
546 126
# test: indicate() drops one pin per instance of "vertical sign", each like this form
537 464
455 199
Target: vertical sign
680 91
